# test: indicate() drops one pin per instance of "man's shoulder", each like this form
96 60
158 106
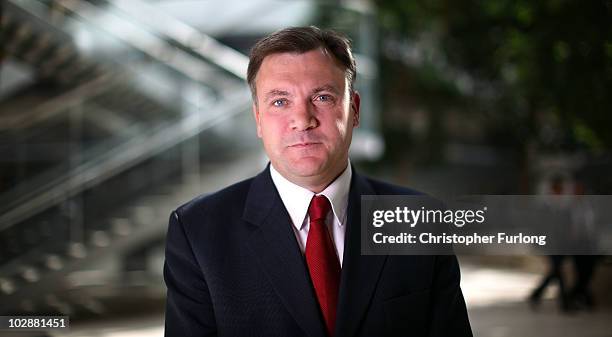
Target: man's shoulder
385 188
222 200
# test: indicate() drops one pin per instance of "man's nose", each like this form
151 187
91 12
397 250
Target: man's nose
303 117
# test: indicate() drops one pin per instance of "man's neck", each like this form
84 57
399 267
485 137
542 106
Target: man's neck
315 184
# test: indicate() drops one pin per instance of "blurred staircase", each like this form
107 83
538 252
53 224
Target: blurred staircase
123 120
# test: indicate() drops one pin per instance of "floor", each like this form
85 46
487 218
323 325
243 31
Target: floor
496 305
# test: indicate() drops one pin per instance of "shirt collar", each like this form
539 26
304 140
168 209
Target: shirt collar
297 199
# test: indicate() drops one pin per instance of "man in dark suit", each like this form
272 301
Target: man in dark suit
279 254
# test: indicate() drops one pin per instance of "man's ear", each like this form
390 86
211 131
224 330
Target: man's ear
257 119
355 105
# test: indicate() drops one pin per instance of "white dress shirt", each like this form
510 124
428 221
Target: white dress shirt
297 199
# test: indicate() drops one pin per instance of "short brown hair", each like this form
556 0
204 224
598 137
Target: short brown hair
300 40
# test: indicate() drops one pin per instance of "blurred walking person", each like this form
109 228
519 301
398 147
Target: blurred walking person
555 271
583 225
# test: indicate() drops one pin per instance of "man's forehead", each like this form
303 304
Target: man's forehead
295 54
283 66
294 61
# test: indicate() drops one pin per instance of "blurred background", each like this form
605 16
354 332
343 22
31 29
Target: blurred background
113 113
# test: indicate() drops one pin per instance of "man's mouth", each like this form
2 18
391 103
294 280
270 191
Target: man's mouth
305 144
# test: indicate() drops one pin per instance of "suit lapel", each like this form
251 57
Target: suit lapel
360 274
274 245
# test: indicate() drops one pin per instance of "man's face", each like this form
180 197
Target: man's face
305 115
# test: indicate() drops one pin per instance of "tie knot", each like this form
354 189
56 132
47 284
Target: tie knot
319 207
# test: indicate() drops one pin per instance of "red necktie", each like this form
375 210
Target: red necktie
322 261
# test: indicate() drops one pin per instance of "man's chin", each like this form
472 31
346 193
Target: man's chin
307 167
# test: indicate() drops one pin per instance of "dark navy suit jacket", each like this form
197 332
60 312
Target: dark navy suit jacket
234 268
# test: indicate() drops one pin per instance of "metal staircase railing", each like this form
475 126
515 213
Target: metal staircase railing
42 273
40 233
107 161
185 35
118 158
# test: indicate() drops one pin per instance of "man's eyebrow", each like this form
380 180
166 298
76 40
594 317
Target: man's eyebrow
274 93
327 87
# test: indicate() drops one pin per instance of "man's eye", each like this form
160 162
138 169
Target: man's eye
324 98
279 102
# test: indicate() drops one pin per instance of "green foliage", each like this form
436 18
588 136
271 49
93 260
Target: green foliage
550 56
